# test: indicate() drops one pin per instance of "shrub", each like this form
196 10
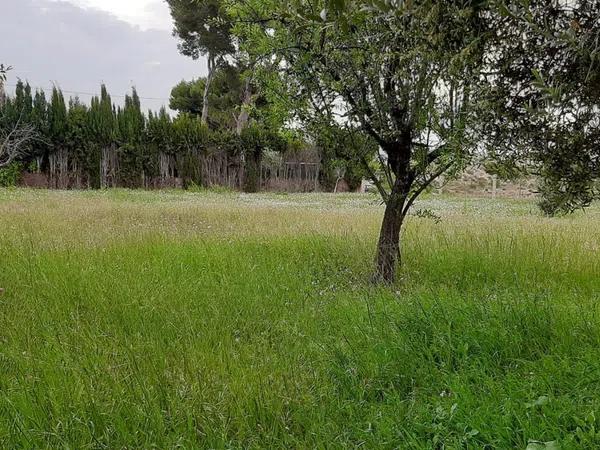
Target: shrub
10 176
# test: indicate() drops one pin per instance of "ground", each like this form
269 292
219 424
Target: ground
205 320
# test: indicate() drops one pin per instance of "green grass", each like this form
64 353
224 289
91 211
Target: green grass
182 320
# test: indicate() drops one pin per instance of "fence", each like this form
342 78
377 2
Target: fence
217 168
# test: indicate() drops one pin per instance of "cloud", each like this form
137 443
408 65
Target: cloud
146 14
158 16
78 48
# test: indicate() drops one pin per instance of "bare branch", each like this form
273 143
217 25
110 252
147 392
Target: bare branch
14 142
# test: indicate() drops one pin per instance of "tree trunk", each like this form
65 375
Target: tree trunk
243 117
388 248
209 78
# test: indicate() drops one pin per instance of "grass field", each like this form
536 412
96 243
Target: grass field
179 320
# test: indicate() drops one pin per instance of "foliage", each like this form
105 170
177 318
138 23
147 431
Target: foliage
18 135
90 135
541 113
202 26
186 97
403 74
255 141
77 136
225 97
344 153
57 118
10 175
3 70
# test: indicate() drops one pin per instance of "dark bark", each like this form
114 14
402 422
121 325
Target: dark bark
388 248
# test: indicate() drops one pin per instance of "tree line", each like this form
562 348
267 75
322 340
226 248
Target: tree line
102 145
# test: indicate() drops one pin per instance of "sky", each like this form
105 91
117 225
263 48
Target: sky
79 44
147 14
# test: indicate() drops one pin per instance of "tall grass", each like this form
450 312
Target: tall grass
174 320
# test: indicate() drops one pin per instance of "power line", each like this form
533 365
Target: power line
88 93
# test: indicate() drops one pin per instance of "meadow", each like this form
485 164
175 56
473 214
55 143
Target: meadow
134 319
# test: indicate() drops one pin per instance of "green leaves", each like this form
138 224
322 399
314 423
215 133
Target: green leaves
203 27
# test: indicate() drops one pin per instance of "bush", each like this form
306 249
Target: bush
10 176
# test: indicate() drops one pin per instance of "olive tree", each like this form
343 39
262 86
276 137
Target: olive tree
403 73
542 113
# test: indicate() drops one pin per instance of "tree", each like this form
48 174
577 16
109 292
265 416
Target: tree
39 119
84 163
102 122
402 73
256 140
15 141
541 114
17 134
225 97
57 118
187 97
23 102
203 28
342 151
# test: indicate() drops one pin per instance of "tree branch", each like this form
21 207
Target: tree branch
425 185
14 144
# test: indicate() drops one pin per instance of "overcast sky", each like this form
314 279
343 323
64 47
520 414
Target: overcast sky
79 44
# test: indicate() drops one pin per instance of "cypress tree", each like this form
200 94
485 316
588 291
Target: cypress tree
131 123
19 99
78 143
58 160
39 118
57 118
103 125
27 103
39 113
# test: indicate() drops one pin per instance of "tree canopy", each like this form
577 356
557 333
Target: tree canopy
204 29
541 114
225 97
436 84
404 75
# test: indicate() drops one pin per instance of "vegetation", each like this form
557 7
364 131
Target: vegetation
433 84
406 77
135 319
102 145
10 174
203 29
541 112
215 319
419 89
